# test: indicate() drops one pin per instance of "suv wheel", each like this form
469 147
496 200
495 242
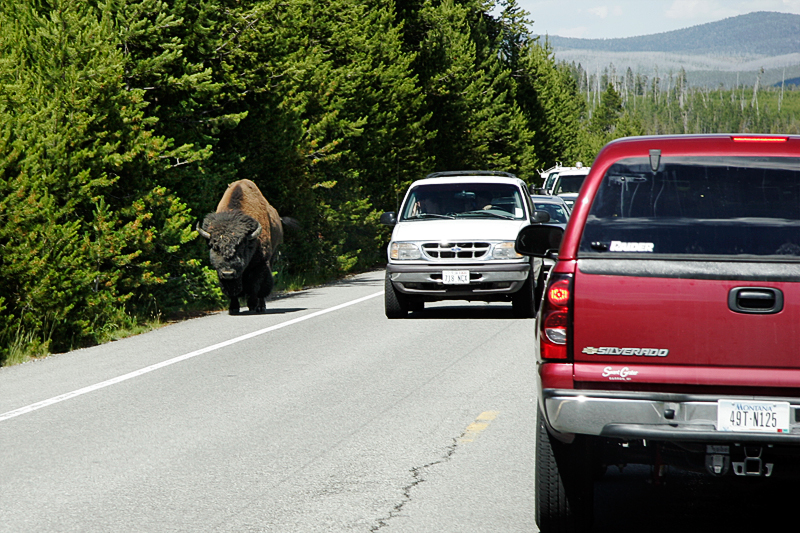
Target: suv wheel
564 483
395 302
524 300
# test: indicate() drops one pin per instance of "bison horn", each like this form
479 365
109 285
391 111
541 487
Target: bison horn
203 233
256 232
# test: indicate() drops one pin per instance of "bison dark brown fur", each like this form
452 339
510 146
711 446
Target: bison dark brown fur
242 236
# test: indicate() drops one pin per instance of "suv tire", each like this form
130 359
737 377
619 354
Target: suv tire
524 300
564 483
416 305
395 302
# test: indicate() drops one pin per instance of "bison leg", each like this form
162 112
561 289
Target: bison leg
256 304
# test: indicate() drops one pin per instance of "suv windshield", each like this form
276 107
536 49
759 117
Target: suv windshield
550 181
558 213
464 200
707 206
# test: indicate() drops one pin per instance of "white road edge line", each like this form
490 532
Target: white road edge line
136 373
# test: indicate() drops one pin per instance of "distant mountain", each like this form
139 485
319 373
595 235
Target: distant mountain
730 52
759 33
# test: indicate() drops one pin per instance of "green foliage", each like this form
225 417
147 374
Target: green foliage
469 92
554 110
88 237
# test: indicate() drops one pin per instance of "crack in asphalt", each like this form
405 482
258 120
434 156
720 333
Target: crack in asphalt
418 477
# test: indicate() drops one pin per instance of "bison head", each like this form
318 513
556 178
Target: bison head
232 241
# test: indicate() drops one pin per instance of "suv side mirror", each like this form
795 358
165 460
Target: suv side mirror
540 217
538 241
389 219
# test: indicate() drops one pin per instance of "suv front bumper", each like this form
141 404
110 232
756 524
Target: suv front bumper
485 279
657 416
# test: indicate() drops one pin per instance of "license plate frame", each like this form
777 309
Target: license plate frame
753 416
455 277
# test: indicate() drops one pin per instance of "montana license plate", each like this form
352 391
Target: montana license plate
751 415
455 277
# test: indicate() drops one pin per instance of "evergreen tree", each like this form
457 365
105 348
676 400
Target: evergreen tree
605 116
82 248
554 109
468 92
168 51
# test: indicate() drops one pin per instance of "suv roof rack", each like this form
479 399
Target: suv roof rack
470 173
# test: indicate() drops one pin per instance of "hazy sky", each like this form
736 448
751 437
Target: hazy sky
604 19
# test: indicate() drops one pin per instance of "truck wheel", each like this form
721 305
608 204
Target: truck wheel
564 483
524 300
395 302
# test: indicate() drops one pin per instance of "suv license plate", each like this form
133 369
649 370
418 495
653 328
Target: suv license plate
455 277
749 415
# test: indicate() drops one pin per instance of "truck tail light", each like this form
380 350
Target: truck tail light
555 317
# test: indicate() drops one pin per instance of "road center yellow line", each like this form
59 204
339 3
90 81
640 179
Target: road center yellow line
476 428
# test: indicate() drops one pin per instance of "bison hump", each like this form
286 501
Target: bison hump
245 196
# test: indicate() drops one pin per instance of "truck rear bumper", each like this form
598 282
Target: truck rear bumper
658 416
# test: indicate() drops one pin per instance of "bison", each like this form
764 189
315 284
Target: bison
242 236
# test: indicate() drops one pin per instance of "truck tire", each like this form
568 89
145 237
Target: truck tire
395 302
523 301
564 483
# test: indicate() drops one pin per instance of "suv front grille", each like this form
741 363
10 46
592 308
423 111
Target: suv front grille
456 250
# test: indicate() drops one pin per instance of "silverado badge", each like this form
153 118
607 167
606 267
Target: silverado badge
613 350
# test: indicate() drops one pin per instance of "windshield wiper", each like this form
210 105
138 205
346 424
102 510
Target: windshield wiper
487 213
430 215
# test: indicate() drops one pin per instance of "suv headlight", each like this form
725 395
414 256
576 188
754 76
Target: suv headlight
505 250
403 251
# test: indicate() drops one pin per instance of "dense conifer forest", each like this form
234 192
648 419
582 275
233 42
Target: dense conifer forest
123 121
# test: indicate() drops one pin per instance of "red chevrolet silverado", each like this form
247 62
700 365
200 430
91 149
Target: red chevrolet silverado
669 331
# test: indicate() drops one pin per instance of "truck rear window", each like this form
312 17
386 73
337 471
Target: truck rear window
704 206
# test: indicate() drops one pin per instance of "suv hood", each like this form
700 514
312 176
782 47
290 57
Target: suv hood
485 229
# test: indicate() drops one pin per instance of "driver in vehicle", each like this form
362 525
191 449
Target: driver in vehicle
426 205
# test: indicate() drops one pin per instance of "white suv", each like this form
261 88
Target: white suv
568 184
454 240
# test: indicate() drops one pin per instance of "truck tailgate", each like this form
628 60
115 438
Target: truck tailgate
625 319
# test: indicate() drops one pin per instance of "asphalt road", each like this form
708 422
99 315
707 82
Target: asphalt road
311 417
319 416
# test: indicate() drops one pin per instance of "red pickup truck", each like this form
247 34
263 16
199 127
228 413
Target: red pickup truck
669 331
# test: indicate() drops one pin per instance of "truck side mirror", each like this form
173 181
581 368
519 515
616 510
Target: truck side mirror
389 219
538 240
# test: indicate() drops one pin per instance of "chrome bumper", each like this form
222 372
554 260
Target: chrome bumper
485 279
651 416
